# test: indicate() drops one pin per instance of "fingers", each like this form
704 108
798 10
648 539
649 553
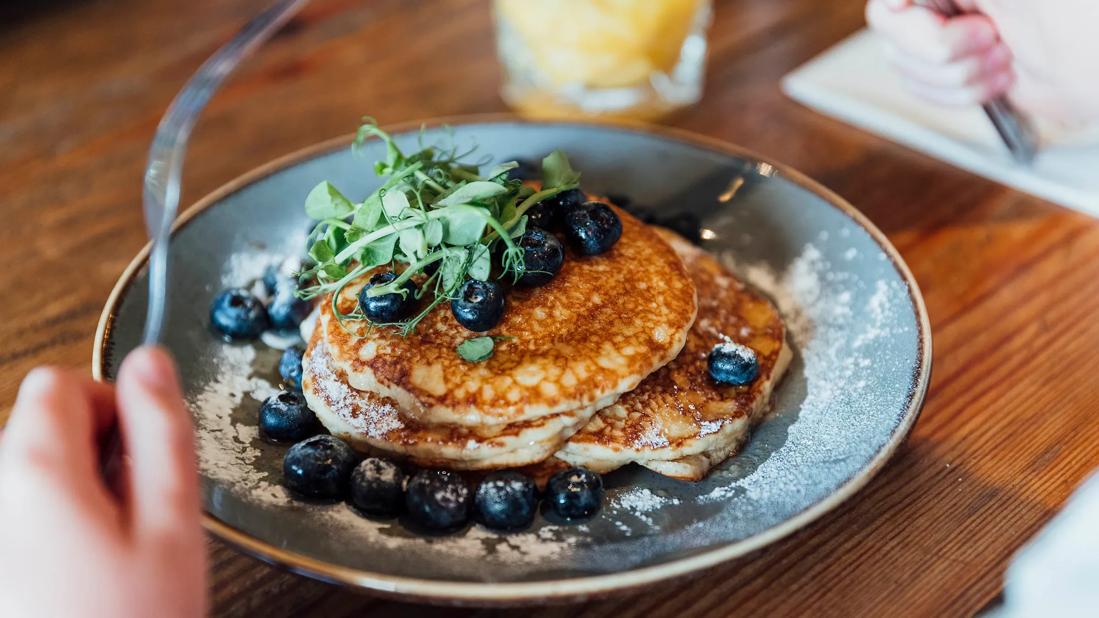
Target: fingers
158 438
973 94
956 61
56 418
968 81
928 35
963 72
48 453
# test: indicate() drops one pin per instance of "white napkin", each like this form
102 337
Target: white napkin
1057 573
853 82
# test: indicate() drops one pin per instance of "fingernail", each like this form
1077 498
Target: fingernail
154 369
896 5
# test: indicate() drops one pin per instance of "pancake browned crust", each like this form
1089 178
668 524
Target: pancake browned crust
596 330
373 423
678 421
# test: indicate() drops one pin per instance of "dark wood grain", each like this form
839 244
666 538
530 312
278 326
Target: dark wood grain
1011 282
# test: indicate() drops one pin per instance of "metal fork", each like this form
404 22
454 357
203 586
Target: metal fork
160 195
1015 130
160 198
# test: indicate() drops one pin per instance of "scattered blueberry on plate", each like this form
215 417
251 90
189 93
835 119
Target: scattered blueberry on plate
318 467
237 314
387 308
270 280
479 305
506 500
733 363
543 257
287 310
290 368
592 228
437 500
576 493
378 487
286 417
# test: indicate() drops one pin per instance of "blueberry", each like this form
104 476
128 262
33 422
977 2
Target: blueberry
377 487
549 214
592 228
575 493
319 467
437 500
287 310
733 363
286 417
686 224
270 280
479 306
506 500
543 257
290 366
387 308
238 315
527 170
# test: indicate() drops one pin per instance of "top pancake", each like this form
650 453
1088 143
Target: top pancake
680 411
595 331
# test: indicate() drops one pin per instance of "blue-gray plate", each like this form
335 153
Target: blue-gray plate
857 322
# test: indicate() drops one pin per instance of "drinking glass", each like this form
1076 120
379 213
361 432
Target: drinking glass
634 59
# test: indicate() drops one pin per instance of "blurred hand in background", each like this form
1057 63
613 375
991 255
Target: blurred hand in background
1044 55
72 545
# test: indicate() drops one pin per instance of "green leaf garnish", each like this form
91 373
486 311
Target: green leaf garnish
501 169
326 202
476 349
432 210
557 173
480 266
477 191
464 225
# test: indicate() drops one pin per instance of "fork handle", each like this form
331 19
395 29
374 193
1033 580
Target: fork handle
160 197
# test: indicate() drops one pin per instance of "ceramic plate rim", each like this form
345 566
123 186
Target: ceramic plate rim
436 591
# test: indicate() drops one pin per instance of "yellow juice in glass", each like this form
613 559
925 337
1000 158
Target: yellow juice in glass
618 58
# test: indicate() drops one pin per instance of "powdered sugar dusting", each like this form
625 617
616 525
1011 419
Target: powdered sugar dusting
742 351
225 450
374 418
245 268
636 502
832 330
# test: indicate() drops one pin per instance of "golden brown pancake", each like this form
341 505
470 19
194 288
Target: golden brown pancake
373 423
679 421
595 331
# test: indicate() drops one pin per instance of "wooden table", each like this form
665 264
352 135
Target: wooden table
1011 282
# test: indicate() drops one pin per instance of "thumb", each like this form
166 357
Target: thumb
159 439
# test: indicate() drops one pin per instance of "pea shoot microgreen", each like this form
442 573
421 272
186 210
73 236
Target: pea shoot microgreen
477 349
435 213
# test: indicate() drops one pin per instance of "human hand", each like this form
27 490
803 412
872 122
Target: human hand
956 61
1042 54
71 545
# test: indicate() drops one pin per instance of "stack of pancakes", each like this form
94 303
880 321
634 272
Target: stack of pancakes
603 366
